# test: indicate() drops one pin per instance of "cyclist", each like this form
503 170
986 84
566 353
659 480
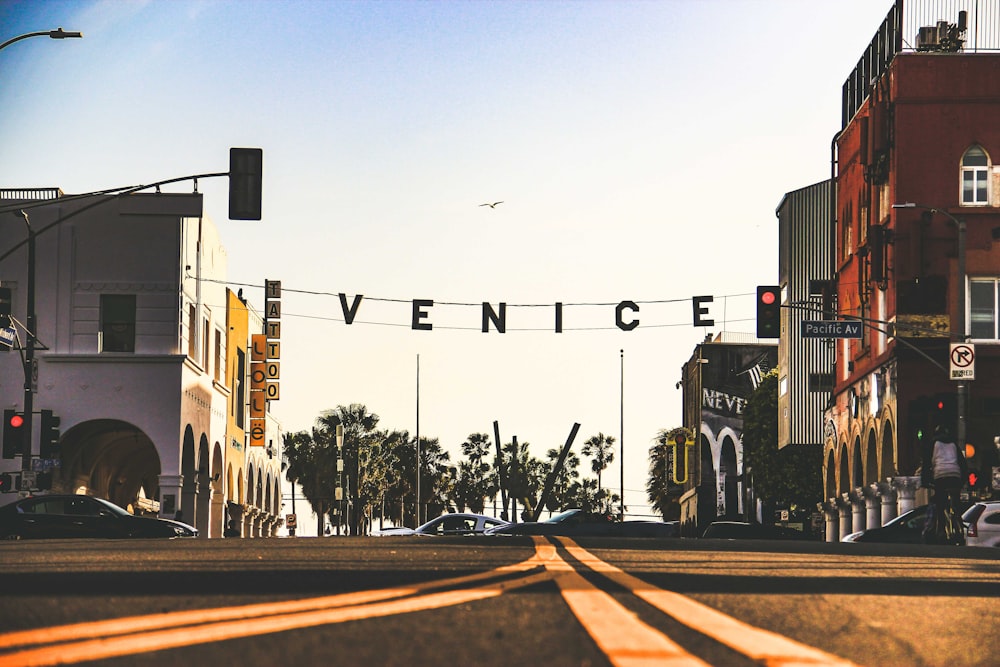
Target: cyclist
947 469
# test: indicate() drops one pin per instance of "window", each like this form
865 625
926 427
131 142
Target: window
983 307
975 177
117 323
217 367
192 332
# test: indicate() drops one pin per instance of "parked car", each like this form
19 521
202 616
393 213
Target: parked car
448 524
907 528
578 523
744 530
67 516
982 524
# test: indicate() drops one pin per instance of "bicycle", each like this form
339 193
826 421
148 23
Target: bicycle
943 525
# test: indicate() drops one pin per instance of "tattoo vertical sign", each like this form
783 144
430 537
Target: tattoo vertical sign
265 363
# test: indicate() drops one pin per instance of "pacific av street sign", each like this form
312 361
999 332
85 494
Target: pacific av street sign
831 329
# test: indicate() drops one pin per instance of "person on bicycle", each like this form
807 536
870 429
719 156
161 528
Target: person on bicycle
947 466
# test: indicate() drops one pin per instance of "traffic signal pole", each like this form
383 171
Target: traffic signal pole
29 352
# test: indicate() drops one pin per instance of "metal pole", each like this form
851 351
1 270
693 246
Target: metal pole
962 388
418 442
29 352
621 439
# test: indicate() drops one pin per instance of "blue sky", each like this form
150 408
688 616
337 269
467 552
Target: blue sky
640 150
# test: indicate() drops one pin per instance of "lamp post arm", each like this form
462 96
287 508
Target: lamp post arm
59 33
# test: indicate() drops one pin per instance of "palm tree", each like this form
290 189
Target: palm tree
474 479
600 449
565 479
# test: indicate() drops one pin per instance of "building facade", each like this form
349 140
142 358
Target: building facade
133 352
804 363
717 381
916 259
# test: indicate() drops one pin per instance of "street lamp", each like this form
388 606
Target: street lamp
961 388
32 322
58 33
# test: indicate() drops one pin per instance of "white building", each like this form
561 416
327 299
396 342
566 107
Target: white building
134 355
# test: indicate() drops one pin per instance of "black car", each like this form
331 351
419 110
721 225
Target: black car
907 528
743 530
68 516
578 523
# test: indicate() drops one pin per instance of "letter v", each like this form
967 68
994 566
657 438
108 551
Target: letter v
350 313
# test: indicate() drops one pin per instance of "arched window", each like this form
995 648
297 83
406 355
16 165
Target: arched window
975 177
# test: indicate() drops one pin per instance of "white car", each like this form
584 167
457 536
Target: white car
982 522
448 524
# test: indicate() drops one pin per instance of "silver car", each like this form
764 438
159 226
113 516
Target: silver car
448 524
982 522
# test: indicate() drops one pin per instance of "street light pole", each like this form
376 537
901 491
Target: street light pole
58 33
961 389
32 322
621 439
29 351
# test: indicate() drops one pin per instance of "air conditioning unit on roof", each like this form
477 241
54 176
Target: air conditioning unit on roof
927 38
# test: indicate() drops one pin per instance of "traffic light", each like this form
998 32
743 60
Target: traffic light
246 171
49 447
10 482
6 300
14 433
972 464
768 311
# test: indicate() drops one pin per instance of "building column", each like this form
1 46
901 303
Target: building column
171 487
217 520
830 516
234 520
888 497
857 497
873 506
844 509
906 487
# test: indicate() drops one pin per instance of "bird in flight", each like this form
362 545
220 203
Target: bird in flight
493 205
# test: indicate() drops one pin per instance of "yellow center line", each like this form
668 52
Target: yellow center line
145 642
618 633
136 624
768 648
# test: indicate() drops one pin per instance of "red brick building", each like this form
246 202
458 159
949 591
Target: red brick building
920 127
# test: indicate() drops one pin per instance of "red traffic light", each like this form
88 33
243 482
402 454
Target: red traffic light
17 421
767 297
973 478
680 439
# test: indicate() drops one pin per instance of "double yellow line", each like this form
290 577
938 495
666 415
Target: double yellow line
623 638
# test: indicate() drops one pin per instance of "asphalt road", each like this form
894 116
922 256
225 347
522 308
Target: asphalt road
495 601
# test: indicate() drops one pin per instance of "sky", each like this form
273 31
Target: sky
640 149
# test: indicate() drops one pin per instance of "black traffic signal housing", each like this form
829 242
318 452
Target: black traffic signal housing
972 464
15 430
49 444
246 172
768 311
10 482
6 301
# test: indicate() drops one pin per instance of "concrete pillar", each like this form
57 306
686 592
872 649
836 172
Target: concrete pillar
857 498
906 488
844 509
887 495
171 487
873 506
832 520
